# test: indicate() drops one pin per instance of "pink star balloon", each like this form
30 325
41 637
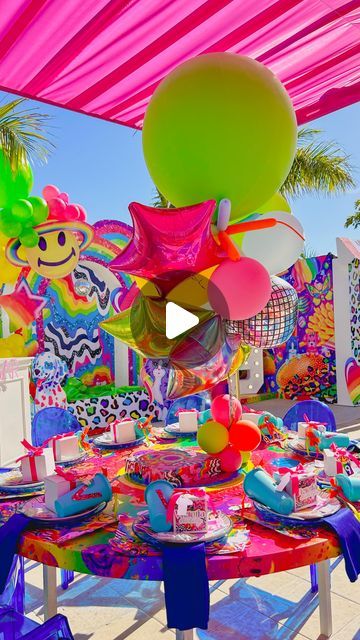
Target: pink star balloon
166 241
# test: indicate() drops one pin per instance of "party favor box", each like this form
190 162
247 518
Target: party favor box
302 487
55 487
304 426
332 464
190 511
188 421
64 446
36 466
123 431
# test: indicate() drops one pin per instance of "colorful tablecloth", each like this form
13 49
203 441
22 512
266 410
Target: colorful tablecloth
90 550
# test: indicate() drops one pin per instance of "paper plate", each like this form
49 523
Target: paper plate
71 461
174 430
296 445
219 525
105 442
38 512
12 482
325 507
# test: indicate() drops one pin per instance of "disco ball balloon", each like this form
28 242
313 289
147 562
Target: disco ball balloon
82 287
274 324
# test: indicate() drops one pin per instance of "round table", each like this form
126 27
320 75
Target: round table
268 551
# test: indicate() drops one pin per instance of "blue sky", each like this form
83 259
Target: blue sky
101 166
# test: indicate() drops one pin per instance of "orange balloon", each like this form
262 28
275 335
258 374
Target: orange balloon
245 435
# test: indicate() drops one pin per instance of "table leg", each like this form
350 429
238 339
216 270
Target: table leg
50 593
185 635
325 598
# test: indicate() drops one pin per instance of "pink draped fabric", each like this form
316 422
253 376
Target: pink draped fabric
105 57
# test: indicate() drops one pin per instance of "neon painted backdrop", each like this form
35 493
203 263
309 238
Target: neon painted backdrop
305 365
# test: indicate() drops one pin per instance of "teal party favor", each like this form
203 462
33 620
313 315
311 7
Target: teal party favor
157 496
350 486
84 497
261 487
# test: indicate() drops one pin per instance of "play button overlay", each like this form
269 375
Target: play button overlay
178 320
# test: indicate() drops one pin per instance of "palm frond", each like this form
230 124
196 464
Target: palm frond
159 201
319 167
354 219
23 133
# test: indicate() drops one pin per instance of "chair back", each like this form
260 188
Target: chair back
314 410
52 421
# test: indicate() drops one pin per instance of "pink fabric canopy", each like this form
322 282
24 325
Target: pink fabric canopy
105 58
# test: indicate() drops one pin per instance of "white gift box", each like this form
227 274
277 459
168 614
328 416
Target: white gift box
34 468
332 465
55 487
303 426
188 421
64 447
123 431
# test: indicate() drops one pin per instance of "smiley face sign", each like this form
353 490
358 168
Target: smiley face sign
57 251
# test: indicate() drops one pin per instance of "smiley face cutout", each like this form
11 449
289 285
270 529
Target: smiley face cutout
57 251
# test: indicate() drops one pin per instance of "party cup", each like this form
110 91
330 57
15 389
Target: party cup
350 486
84 497
157 496
341 440
260 486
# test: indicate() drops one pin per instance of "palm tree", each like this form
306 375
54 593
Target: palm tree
319 166
354 219
23 133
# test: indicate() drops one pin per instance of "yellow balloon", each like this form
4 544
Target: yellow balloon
276 203
239 358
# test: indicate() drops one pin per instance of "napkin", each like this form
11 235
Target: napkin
347 528
10 534
186 583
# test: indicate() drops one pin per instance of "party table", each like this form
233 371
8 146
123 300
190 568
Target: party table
91 553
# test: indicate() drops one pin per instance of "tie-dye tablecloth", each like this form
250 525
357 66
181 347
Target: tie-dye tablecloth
92 548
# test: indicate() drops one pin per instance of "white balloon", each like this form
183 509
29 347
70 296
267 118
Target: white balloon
278 247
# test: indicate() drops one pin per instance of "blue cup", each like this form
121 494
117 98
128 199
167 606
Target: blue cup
157 495
260 486
341 440
350 486
84 497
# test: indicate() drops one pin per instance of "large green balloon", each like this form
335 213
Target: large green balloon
220 126
13 184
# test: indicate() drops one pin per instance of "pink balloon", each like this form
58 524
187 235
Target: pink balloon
64 196
230 459
56 207
82 212
226 410
239 289
50 191
71 212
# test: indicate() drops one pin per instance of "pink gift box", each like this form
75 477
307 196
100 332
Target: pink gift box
55 487
123 431
301 486
190 510
65 446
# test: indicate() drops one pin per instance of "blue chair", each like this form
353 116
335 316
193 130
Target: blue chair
52 421
319 412
49 422
314 410
198 401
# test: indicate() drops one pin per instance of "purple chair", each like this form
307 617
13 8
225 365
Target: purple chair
14 625
314 410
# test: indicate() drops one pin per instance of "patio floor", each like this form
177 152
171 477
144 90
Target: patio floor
279 606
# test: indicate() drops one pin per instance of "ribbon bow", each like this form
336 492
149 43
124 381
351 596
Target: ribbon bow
288 474
313 424
67 475
31 450
183 500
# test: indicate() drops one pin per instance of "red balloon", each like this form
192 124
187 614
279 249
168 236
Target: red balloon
230 459
226 409
245 435
71 212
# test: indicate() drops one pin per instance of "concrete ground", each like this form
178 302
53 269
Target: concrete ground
275 607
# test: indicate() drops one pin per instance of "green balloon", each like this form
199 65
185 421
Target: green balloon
276 203
14 229
220 126
29 238
22 210
14 184
40 209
